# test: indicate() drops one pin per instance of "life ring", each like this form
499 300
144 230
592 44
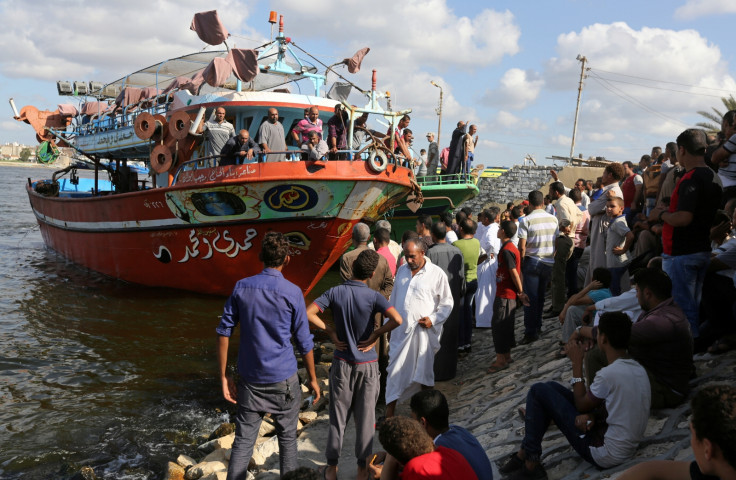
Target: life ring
377 160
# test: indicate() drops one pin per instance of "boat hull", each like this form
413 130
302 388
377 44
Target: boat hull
203 234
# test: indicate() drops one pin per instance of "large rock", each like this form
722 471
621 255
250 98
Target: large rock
263 451
174 471
205 470
267 427
85 473
185 461
222 430
307 417
212 445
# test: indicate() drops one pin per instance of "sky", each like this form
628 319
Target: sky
508 67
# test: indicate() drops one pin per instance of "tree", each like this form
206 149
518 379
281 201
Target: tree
25 154
716 117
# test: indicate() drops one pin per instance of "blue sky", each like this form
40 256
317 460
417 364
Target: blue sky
508 67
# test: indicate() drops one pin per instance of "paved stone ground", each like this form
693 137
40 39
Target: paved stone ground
487 405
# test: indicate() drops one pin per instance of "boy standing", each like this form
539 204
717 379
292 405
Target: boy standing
618 239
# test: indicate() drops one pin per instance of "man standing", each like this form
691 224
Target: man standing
423 298
239 149
399 145
632 185
612 174
470 144
337 138
457 150
217 133
490 245
433 156
537 235
450 259
687 222
354 377
565 209
381 281
271 312
271 137
307 125
470 248
424 228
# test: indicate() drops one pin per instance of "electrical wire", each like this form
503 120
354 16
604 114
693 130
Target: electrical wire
659 81
661 88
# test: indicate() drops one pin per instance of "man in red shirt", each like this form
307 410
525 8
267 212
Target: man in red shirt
409 446
686 231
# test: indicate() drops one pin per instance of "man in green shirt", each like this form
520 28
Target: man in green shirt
470 248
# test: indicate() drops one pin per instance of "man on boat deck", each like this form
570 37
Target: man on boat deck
239 149
272 312
271 137
217 133
306 126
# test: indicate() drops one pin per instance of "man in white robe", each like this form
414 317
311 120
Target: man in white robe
612 174
490 246
422 297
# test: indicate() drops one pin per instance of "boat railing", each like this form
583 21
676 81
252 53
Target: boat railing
451 179
200 163
106 121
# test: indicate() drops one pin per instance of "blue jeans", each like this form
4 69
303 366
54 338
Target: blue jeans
616 274
465 331
536 278
552 401
281 400
687 273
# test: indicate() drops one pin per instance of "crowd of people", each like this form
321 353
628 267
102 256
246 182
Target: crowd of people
626 261
270 142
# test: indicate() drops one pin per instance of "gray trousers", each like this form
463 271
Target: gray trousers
574 318
563 252
281 400
353 391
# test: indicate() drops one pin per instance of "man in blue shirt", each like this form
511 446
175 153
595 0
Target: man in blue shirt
429 407
354 377
271 311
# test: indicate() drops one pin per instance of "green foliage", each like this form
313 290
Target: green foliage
716 117
25 154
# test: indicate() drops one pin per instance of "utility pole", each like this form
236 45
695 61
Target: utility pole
439 112
582 60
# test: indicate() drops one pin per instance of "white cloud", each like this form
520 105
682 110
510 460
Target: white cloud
561 140
518 88
509 121
640 80
701 8
109 40
600 137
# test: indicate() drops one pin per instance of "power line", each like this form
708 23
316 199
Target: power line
662 81
623 95
663 89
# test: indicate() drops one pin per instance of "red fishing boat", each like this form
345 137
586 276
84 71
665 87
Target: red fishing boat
193 224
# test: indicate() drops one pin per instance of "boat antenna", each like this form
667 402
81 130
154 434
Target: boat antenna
272 20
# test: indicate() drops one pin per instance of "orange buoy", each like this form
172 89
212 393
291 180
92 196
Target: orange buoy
161 159
179 124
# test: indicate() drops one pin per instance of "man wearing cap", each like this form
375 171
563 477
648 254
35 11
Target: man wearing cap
687 222
433 155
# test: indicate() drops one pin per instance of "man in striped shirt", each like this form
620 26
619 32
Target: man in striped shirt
536 247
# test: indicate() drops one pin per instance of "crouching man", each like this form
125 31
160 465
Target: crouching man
575 412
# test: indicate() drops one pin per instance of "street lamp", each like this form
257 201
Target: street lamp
439 113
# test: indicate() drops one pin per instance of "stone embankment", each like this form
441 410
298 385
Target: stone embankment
486 404
515 184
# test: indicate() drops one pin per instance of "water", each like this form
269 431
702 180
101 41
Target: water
94 371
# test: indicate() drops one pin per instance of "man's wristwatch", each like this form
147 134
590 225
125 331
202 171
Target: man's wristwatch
577 329
575 380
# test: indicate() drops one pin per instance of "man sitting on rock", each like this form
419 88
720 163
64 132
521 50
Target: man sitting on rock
429 407
354 377
614 388
660 340
411 455
571 316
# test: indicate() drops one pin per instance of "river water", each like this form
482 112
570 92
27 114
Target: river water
95 371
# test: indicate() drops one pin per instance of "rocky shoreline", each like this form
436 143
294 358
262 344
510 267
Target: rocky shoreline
485 404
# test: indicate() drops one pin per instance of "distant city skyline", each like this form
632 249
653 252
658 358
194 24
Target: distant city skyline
508 67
